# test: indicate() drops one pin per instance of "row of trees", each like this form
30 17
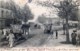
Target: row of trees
23 13
73 14
67 9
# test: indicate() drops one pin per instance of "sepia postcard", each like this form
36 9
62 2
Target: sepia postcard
39 25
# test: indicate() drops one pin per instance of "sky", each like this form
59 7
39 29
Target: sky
36 9
20 2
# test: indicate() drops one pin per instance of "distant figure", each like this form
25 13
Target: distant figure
11 39
25 28
56 34
3 35
7 34
64 28
50 29
73 36
35 25
4 30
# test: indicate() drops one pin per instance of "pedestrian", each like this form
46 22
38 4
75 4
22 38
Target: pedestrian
11 39
4 30
64 29
73 36
1 34
56 34
78 40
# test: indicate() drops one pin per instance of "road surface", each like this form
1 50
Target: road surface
42 40
39 39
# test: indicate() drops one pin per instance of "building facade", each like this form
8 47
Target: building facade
6 18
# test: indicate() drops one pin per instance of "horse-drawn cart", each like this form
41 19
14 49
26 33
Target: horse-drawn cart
18 32
48 29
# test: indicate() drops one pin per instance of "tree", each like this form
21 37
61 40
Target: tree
26 13
67 9
73 15
11 5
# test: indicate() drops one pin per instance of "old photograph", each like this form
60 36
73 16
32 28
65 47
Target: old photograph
39 23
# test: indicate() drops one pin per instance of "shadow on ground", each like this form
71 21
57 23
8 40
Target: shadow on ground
28 37
6 44
64 42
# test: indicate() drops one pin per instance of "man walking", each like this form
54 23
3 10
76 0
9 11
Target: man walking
73 36
64 29
78 40
56 34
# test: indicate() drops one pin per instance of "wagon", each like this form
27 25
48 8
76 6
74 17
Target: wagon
48 29
18 32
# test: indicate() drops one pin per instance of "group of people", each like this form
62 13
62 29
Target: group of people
9 36
75 38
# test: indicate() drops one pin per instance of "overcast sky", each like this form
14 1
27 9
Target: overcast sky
36 9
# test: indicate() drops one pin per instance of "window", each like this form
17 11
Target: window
2 13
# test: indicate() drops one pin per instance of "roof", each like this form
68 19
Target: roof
73 22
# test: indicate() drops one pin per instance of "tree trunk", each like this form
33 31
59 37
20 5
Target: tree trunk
67 31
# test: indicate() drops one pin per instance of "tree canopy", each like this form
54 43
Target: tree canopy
26 13
63 6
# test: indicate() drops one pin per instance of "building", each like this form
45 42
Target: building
6 17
